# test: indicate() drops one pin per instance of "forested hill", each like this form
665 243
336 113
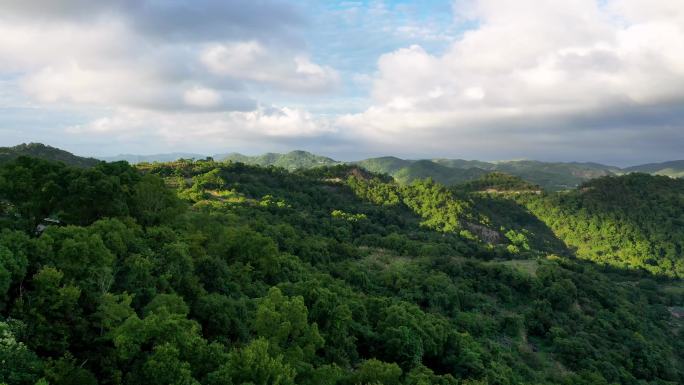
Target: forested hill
632 221
42 151
551 176
198 272
294 160
673 169
167 157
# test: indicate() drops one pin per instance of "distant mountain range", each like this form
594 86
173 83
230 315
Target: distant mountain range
549 175
674 169
168 157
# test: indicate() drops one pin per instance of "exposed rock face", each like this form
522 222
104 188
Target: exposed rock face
677 312
484 233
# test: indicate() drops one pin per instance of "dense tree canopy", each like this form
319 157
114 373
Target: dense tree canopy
198 272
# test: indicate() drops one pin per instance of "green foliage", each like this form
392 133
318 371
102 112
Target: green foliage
252 275
377 372
634 221
19 364
253 364
673 169
53 310
41 151
292 161
478 175
283 322
498 182
347 216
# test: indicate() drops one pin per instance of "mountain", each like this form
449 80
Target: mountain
495 182
383 165
551 176
167 157
216 273
461 163
41 151
634 221
674 169
293 160
422 169
555 175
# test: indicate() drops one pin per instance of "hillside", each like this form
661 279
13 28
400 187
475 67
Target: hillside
634 221
551 176
674 169
460 163
293 160
41 151
167 157
325 276
554 176
422 169
384 165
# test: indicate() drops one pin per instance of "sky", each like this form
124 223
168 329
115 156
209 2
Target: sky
555 80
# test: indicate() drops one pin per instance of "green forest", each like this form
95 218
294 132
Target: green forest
222 273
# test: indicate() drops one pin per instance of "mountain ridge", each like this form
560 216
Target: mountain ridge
552 176
42 151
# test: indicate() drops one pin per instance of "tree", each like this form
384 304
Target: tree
53 309
377 372
153 202
283 322
254 364
20 365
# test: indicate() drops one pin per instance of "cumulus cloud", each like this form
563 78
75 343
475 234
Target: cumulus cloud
151 54
211 130
526 78
202 97
250 60
532 72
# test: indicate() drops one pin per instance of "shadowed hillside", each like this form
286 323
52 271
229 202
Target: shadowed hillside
41 151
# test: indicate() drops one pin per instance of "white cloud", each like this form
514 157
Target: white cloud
114 59
529 70
202 97
204 130
534 76
251 60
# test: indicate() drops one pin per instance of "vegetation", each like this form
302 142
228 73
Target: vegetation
634 221
674 169
41 151
240 274
498 182
550 176
295 160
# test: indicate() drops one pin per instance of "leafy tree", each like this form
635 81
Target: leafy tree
19 364
52 306
254 364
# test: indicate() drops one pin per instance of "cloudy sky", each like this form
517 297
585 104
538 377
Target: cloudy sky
588 80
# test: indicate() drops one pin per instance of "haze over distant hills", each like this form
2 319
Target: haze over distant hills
549 175
673 169
167 157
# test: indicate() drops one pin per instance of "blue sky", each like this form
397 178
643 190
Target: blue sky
585 80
